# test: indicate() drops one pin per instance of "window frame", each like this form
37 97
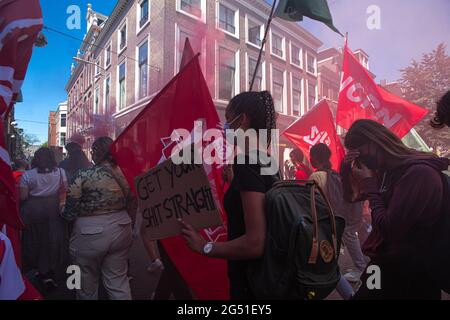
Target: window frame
106 108
284 104
106 55
291 47
315 93
283 45
236 18
61 120
177 56
137 73
96 109
307 64
247 72
123 62
122 25
237 72
302 92
249 19
139 28
202 7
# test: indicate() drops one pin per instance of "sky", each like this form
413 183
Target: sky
409 28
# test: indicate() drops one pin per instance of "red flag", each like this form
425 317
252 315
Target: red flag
20 24
146 141
188 54
361 98
317 126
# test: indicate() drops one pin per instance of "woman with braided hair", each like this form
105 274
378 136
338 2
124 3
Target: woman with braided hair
244 199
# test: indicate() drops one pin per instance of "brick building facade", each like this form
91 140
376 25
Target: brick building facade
128 57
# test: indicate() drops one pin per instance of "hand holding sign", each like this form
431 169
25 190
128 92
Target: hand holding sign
193 238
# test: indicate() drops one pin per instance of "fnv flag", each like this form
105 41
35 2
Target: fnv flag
361 98
317 126
295 10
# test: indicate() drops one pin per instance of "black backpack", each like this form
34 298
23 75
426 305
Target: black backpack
303 241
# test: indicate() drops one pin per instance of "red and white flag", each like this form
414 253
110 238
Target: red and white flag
12 285
20 24
146 141
317 126
361 98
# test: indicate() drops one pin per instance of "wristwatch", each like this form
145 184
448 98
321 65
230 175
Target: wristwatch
208 248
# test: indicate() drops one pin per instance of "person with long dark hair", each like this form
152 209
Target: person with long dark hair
244 199
45 237
102 235
76 160
407 193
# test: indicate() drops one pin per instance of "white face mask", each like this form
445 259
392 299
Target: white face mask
227 125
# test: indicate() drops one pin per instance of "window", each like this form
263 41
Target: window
123 37
227 74
311 68
227 19
107 93
62 139
296 55
326 89
251 71
277 45
122 89
278 89
143 70
296 96
63 120
193 7
143 13
108 57
254 32
96 100
311 95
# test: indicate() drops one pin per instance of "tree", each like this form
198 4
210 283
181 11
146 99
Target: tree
44 145
424 83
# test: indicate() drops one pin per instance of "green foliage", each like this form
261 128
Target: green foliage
424 82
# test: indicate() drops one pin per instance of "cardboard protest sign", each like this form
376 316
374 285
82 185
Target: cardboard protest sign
169 192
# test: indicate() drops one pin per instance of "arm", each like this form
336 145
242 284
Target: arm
24 192
417 194
248 246
73 200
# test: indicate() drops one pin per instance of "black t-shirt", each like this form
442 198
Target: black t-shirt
247 177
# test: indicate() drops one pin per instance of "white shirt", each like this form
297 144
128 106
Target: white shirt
43 184
11 281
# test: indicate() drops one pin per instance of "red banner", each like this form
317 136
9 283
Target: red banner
146 141
317 126
20 24
361 98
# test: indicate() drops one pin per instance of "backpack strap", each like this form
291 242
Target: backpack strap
315 242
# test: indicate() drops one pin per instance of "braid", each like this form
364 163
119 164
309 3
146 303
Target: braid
271 115
259 108
271 118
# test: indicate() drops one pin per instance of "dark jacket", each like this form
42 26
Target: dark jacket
405 209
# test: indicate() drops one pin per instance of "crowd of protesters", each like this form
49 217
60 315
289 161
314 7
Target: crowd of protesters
391 197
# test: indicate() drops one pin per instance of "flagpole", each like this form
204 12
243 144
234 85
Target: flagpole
266 32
